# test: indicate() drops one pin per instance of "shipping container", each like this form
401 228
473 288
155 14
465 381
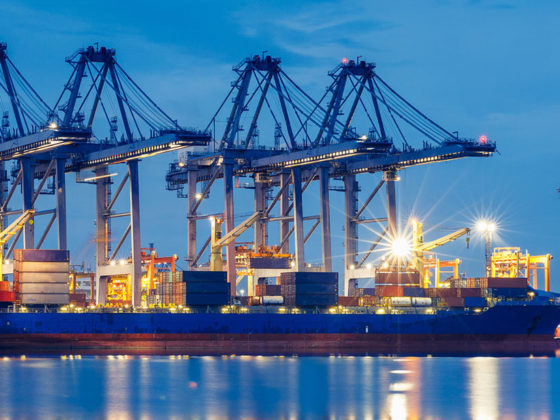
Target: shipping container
388 291
422 301
201 276
499 282
7 297
400 278
269 262
401 301
316 288
207 288
45 299
293 277
272 300
43 277
78 299
41 267
452 301
368 300
469 292
43 288
414 291
42 255
349 300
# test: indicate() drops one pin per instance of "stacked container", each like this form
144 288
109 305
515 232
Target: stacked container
404 278
268 290
204 288
41 276
6 295
309 289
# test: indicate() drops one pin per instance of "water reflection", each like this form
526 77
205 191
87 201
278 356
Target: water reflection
483 388
120 387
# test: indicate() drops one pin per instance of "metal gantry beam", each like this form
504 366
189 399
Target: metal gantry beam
324 140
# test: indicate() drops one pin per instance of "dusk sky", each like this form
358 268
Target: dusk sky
480 67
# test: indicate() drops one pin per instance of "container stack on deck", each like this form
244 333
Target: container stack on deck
264 289
41 277
193 288
6 293
309 288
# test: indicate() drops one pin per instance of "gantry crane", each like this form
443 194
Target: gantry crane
419 246
360 125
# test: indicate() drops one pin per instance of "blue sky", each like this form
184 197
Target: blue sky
480 67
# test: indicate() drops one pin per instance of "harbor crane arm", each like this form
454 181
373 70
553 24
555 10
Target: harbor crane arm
428 246
237 231
11 230
15 226
218 242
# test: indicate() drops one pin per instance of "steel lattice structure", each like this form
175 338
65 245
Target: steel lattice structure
50 142
360 125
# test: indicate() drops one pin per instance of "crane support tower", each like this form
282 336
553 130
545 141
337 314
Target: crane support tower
359 128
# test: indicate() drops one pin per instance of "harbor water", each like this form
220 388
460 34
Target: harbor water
146 387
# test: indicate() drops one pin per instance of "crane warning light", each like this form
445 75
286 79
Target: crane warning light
483 139
344 60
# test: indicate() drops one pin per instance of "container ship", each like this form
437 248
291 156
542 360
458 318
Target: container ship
192 312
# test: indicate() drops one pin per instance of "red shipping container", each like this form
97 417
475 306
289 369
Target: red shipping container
469 292
389 291
348 301
452 301
367 301
446 292
496 282
7 296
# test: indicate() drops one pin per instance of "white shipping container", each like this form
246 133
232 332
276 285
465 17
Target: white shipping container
401 301
44 278
43 288
422 301
45 299
42 267
272 300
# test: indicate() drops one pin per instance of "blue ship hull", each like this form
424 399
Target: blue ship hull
509 329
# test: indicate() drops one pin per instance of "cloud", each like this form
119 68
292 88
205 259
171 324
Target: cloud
316 31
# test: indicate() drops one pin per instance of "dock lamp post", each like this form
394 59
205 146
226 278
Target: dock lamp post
487 229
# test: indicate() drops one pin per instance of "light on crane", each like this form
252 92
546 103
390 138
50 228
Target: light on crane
400 247
487 228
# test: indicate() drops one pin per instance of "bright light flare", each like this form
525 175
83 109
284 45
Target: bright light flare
483 139
485 226
400 247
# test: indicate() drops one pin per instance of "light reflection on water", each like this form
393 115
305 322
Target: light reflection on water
124 387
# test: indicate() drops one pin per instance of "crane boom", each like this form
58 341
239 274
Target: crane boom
11 230
237 231
218 241
15 226
419 246
428 246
